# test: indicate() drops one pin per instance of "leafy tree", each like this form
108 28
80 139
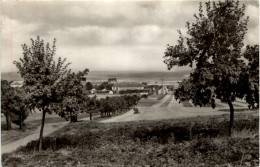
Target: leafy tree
213 44
6 96
71 96
249 79
19 107
89 86
13 104
105 85
42 76
91 105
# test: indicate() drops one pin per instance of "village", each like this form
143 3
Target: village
114 87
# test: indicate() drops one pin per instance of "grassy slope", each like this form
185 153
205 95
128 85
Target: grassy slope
29 128
200 141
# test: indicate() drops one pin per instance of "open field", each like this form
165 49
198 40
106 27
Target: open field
150 101
198 141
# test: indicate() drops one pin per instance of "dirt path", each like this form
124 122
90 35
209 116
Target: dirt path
48 128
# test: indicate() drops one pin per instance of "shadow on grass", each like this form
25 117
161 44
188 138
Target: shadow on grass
236 110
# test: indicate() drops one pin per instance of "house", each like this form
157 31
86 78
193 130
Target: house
127 86
93 91
112 80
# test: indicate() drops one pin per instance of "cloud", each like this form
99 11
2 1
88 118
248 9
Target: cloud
63 15
112 35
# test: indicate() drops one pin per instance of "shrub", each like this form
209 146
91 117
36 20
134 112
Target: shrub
136 110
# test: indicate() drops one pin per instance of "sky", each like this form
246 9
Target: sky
104 35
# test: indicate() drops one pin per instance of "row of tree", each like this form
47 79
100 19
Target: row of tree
103 85
68 105
111 105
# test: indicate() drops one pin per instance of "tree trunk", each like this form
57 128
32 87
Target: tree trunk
231 117
41 131
21 122
8 121
90 116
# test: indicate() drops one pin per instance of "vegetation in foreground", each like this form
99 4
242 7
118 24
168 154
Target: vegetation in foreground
199 141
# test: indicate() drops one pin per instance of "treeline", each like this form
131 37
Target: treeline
111 105
103 85
68 103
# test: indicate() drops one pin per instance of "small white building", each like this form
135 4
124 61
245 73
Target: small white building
93 91
111 92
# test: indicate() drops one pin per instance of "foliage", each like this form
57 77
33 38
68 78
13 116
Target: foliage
47 82
249 80
6 96
70 96
42 75
13 104
110 105
89 86
136 110
19 107
214 48
105 85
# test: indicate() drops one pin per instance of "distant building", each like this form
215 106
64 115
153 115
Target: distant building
93 91
144 83
17 84
124 86
112 80
110 92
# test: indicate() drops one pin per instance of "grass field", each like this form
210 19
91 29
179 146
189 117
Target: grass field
151 100
199 141
186 104
166 103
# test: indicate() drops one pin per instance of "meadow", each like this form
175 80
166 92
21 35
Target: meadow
197 141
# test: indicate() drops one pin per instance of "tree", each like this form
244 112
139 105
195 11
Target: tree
13 104
42 76
252 76
19 107
105 85
92 105
6 96
70 96
213 44
89 86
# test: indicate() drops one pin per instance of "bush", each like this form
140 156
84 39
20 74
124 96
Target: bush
136 110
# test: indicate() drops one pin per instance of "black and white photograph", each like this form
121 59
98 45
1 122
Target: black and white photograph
130 83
